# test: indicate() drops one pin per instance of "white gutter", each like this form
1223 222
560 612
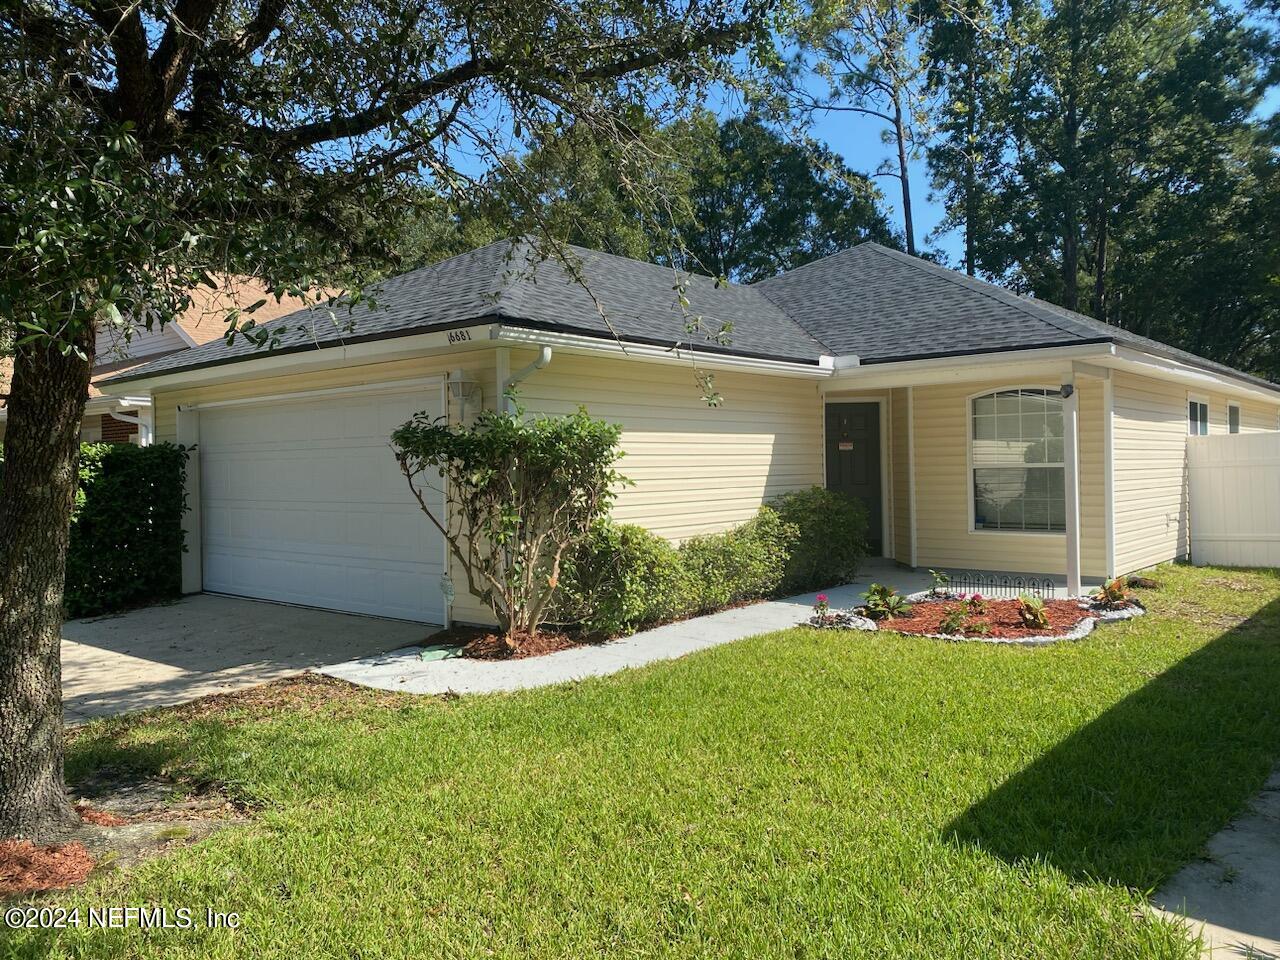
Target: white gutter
279 363
851 374
576 343
1177 371
540 363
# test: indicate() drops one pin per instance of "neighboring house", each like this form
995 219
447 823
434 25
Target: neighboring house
983 430
127 418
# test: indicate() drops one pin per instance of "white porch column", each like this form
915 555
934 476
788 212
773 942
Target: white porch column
146 425
192 559
1070 460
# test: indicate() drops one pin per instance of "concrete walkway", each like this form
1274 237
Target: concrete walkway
204 644
1233 898
405 671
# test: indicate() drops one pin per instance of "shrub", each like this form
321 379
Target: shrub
126 531
745 563
831 538
523 493
622 578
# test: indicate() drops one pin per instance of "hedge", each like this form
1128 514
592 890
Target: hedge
126 531
624 578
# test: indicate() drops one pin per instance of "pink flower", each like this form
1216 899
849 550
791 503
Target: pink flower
821 598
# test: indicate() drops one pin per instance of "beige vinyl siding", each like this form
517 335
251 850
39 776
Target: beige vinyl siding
1151 421
696 468
479 364
943 489
900 474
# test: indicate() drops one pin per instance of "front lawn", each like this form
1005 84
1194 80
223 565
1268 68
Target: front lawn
799 794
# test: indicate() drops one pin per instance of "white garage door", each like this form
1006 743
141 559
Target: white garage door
303 502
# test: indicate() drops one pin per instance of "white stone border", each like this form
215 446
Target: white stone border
1078 632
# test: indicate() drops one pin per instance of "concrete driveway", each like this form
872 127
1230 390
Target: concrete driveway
206 644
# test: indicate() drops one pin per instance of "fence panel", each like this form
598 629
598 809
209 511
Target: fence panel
1234 483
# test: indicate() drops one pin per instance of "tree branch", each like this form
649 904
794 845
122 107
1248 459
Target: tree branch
172 60
370 119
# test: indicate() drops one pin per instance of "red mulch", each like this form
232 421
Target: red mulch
485 645
1001 616
100 817
27 868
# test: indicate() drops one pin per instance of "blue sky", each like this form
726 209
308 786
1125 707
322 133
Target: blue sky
857 139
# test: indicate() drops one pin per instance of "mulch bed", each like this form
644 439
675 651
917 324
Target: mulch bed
28 868
1001 617
485 645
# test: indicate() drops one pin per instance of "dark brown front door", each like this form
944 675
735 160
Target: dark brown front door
853 460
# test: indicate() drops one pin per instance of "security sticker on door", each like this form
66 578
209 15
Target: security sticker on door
846 445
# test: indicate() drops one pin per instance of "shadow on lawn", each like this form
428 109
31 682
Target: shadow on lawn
1136 793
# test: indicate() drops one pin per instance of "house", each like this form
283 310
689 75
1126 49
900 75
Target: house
126 418
984 430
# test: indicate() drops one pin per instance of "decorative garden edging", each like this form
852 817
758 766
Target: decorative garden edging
848 620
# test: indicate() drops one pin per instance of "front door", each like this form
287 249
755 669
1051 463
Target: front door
853 461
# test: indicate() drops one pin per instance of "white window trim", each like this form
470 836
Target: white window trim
969 466
1208 414
1239 417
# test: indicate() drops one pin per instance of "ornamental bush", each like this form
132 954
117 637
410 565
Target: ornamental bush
746 563
622 578
831 541
523 493
126 532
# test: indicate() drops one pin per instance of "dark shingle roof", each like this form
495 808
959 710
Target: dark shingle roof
884 305
878 304
508 281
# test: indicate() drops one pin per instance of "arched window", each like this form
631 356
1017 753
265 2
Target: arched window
1018 476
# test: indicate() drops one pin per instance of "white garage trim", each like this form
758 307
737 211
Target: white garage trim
351 571
388 386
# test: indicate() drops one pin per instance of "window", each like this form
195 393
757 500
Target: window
1197 418
1233 419
1019 482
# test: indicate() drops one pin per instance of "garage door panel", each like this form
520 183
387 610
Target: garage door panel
303 502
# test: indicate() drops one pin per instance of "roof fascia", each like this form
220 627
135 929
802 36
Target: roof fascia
285 362
1041 361
653 353
1159 367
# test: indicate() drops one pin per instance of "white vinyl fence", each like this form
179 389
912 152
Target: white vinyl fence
1234 484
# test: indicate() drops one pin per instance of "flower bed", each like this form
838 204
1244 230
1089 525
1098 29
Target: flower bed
948 616
1002 619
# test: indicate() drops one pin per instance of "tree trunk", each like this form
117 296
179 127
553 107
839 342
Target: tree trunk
970 174
1100 272
42 454
900 131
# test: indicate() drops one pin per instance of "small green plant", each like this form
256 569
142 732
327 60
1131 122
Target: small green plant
955 620
1032 612
885 603
941 580
977 604
1114 593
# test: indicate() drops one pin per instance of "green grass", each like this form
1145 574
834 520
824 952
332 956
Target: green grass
800 794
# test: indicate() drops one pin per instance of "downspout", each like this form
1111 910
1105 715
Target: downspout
540 363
